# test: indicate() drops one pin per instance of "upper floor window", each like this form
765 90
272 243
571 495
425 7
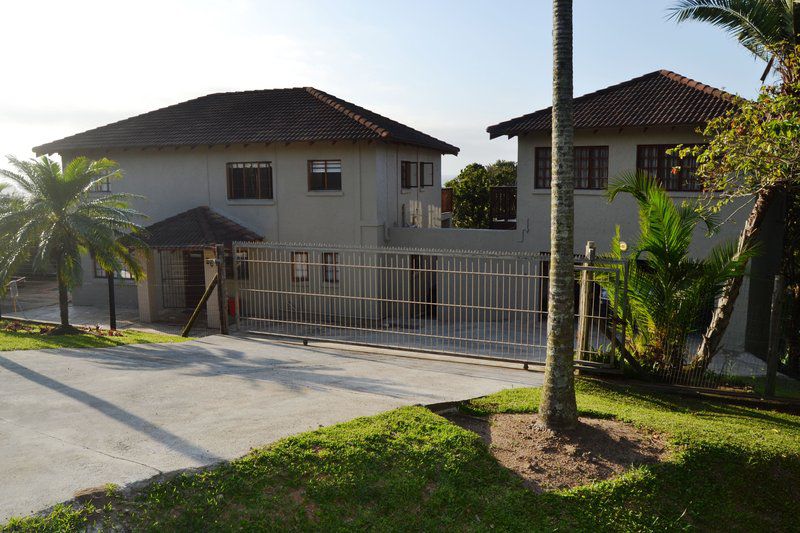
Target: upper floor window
325 175
408 174
426 174
250 181
591 167
673 172
99 272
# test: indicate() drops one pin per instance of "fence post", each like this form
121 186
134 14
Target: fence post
221 292
585 301
776 316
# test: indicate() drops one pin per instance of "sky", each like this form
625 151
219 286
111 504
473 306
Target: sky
448 68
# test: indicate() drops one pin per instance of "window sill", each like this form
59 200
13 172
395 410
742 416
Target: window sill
251 201
325 193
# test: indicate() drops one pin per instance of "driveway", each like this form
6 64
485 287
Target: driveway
75 419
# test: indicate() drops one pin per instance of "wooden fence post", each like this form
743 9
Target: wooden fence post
585 302
222 293
776 317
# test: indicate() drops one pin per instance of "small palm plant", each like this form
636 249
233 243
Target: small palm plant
55 219
667 290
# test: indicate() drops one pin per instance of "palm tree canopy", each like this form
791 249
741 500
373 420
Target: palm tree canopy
55 218
667 288
764 27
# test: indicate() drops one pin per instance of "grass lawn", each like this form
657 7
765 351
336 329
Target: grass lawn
33 339
732 469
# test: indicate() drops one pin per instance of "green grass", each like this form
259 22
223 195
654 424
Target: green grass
33 339
732 469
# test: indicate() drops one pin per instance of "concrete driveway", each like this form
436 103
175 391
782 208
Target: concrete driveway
75 419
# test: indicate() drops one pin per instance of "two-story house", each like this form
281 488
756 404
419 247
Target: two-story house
288 165
626 127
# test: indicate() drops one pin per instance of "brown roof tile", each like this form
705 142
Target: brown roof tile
274 115
197 227
661 98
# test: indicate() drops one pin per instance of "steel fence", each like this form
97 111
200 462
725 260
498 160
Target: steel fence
475 304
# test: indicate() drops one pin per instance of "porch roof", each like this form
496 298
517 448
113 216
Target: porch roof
195 228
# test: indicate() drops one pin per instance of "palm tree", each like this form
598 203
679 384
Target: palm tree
667 289
557 409
55 220
770 29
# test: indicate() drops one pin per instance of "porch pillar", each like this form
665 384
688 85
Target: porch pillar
212 305
147 289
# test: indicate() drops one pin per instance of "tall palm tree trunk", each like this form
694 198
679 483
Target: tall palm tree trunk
557 409
709 345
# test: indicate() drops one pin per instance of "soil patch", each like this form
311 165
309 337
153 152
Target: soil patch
593 451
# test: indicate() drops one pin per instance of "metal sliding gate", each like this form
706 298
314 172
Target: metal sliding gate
474 304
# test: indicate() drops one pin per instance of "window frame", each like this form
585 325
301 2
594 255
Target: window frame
421 174
663 168
405 175
300 259
103 186
592 183
331 267
260 195
326 187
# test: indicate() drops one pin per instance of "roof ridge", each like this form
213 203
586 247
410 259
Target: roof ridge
700 86
336 104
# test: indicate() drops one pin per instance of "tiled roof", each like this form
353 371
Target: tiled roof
661 98
249 117
200 226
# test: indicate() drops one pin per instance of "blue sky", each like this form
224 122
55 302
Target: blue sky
449 68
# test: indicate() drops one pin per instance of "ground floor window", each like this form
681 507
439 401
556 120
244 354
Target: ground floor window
299 266
99 272
330 267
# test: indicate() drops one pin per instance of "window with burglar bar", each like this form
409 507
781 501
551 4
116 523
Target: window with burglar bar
426 174
250 180
673 172
591 167
325 175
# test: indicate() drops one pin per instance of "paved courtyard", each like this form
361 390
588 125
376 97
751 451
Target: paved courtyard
75 419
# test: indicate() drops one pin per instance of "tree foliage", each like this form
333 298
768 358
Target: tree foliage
667 289
755 146
55 219
472 191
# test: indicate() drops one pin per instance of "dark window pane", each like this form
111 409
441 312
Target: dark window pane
334 181
317 181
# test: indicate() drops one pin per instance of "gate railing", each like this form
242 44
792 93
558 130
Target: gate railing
474 304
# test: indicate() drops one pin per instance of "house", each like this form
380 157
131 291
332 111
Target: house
631 126
286 165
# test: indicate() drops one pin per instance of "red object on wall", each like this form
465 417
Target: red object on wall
232 307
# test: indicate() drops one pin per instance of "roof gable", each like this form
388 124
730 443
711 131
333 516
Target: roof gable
249 117
660 98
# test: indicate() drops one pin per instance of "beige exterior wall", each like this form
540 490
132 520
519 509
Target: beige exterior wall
171 181
596 218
